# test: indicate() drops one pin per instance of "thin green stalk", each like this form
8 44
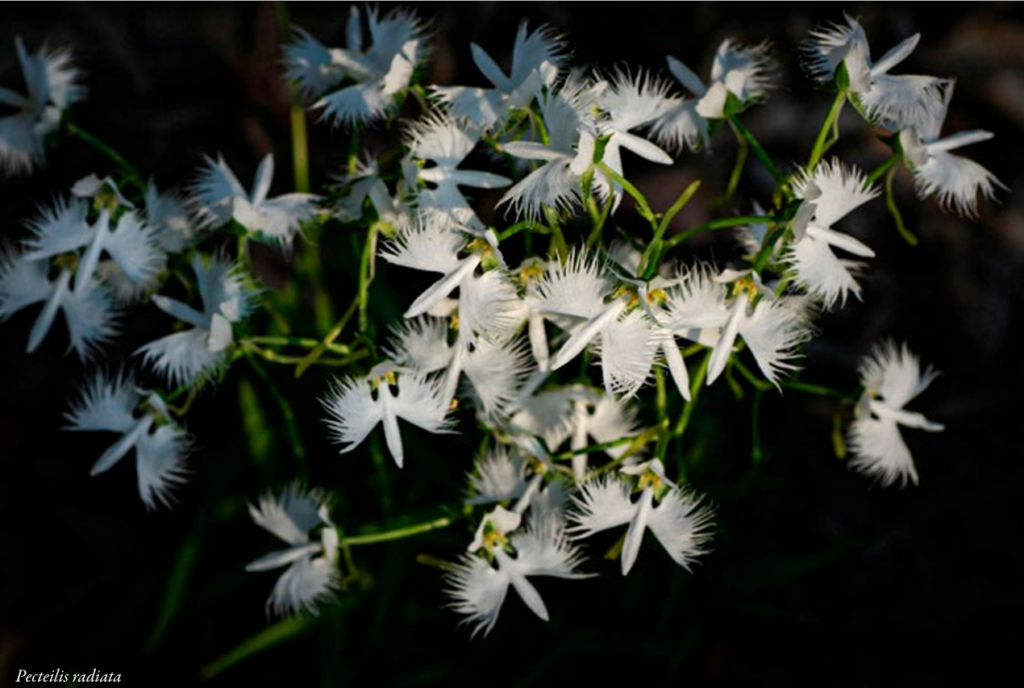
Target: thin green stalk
300 143
599 221
366 274
755 427
742 148
696 385
818 390
711 225
759 152
770 239
643 207
287 414
651 257
283 630
592 448
886 165
649 435
129 170
757 383
890 203
397 533
327 344
830 125
303 342
557 245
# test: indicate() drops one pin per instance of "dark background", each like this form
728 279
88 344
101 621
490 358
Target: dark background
818 576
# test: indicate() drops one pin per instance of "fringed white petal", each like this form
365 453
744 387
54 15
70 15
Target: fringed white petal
352 412
60 228
628 347
478 591
774 332
22 282
495 374
602 504
575 287
105 403
825 276
160 462
879 450
183 357
498 477
956 181
425 245
681 524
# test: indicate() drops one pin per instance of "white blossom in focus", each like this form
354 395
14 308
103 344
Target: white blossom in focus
892 378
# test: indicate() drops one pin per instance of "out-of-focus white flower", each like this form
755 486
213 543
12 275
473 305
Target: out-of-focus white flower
130 243
956 181
141 418
891 377
440 145
504 553
565 157
630 101
52 85
88 312
377 74
894 101
168 215
829 192
673 514
536 57
744 72
198 352
312 571
220 198
356 405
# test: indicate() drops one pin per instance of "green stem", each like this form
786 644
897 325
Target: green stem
696 385
818 390
303 342
643 207
722 223
886 165
824 141
890 203
759 152
755 427
757 383
327 344
396 534
592 448
287 414
742 149
770 239
651 257
366 274
129 170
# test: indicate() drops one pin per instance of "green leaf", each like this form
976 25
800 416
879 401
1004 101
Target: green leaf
282 631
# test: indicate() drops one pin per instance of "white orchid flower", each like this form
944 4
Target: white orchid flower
892 378
221 198
312 572
673 514
536 58
955 180
116 404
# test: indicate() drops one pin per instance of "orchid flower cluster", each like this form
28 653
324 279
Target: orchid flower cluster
538 328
